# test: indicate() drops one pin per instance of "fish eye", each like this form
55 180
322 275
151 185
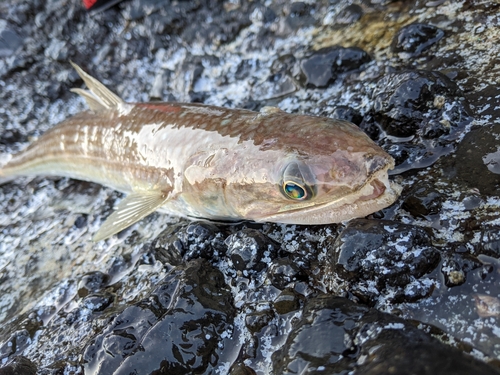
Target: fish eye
297 182
294 191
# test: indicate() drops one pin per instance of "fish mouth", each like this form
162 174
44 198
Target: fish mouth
377 193
379 188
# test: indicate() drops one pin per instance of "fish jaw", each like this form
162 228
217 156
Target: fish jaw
377 193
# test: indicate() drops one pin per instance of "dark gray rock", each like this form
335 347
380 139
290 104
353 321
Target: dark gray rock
177 329
323 67
424 112
376 255
299 14
423 200
474 163
349 15
19 366
10 41
416 38
250 250
283 272
91 283
335 335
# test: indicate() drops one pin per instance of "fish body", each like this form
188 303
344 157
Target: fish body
210 162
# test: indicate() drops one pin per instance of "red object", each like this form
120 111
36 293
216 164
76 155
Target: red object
89 3
96 5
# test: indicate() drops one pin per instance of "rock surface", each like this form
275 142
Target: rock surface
414 287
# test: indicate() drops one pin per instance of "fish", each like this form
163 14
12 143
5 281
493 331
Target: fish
207 162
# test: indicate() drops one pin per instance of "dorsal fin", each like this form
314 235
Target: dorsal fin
267 110
99 97
94 103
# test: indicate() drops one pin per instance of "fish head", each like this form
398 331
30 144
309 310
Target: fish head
321 171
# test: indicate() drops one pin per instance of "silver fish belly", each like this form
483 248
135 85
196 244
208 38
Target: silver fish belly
211 162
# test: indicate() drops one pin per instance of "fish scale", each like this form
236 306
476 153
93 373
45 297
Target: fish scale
211 162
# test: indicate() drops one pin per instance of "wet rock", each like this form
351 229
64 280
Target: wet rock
482 276
307 249
158 86
141 8
62 367
406 103
244 69
299 15
482 98
241 369
469 164
268 15
284 78
162 20
185 241
200 239
349 15
422 112
283 272
120 264
492 161
287 64
57 50
323 66
97 302
15 344
276 86
81 222
415 353
168 247
456 266
376 255
416 38
11 136
16 337
250 250
19 366
490 242
10 41
423 200
287 301
259 319
321 340
335 335
186 313
225 26
92 282
343 112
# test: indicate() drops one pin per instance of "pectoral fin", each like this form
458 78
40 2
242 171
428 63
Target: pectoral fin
130 210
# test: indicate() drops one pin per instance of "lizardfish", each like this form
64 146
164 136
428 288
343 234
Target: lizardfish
202 161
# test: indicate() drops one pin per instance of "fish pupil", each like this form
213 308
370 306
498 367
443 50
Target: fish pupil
294 191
